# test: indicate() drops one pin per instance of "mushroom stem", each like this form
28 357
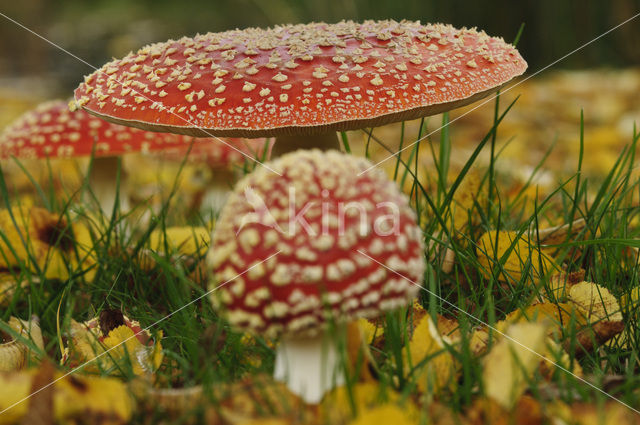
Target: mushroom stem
102 182
286 144
217 192
310 366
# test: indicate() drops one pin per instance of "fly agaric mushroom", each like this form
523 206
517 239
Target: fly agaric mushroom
329 235
306 80
224 160
51 130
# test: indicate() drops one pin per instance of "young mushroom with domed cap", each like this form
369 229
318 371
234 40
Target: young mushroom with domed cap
292 254
51 130
300 83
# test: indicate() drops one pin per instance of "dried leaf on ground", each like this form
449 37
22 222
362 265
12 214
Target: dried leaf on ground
185 240
557 287
15 353
385 414
521 254
337 407
595 301
432 365
121 347
512 361
526 411
76 399
259 397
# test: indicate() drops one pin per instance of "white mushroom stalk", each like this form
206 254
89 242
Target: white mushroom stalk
102 184
309 247
310 366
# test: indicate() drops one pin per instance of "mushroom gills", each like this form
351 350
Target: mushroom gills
310 366
102 182
286 144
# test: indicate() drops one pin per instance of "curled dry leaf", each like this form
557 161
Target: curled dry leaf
558 234
15 353
117 344
522 253
557 287
511 361
76 399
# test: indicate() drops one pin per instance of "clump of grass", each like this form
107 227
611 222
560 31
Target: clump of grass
200 348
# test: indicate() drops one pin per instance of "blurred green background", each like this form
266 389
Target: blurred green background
100 29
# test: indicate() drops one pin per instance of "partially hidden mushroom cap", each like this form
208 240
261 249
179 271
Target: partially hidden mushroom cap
299 79
324 231
53 130
221 154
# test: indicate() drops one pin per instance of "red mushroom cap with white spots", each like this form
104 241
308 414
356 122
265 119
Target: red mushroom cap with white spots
221 154
299 79
327 262
52 130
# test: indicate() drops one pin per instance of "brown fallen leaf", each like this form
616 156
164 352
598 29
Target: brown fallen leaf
260 397
526 411
40 411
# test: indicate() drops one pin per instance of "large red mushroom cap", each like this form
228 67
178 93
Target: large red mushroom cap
52 130
325 229
299 79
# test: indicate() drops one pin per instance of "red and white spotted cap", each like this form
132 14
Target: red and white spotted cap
324 229
52 130
299 79
218 154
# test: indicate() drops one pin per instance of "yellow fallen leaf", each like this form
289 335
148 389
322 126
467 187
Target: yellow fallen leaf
122 347
464 199
190 241
75 398
337 405
555 316
433 363
596 302
523 253
386 414
512 361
